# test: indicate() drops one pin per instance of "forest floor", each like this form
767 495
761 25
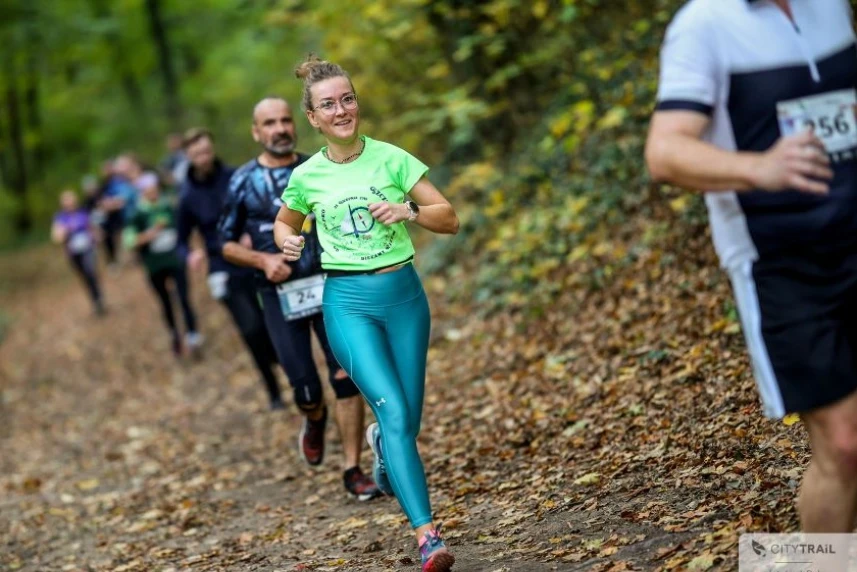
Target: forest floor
615 429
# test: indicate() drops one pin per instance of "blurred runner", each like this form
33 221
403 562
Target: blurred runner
201 200
153 233
73 229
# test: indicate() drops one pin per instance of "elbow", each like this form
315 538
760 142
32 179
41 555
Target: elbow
658 156
455 226
226 250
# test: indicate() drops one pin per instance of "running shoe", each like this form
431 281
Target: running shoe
311 440
434 554
360 486
379 471
194 340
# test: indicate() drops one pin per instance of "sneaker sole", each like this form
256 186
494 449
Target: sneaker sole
440 562
371 441
369 437
301 448
365 496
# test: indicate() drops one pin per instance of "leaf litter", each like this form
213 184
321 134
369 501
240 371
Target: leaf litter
615 429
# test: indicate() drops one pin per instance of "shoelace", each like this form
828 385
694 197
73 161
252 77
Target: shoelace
433 541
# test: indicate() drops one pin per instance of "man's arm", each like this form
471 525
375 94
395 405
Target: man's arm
232 226
675 153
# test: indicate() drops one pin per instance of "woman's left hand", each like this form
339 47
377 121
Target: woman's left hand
389 213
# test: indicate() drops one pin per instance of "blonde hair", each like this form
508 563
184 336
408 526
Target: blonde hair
314 70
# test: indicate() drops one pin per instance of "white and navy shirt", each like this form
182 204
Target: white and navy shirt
758 75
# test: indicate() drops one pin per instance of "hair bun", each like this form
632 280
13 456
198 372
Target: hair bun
314 70
304 70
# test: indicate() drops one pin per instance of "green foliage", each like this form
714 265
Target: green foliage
539 108
88 85
532 114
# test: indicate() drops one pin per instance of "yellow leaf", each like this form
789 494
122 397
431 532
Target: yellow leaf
588 479
613 118
579 252
88 484
701 562
791 419
561 125
438 71
680 204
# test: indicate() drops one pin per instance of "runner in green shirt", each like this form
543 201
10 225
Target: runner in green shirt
152 231
362 193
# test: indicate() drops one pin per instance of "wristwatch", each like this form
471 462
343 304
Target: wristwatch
413 209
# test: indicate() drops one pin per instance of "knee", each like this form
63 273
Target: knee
840 456
396 421
343 388
308 393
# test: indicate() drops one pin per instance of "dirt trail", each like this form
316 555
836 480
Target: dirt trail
115 456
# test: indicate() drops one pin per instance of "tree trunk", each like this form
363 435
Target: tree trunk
162 45
23 221
33 109
5 175
119 58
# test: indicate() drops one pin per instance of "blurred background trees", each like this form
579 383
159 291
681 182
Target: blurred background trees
532 114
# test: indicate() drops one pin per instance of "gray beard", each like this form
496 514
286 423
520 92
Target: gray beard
280 153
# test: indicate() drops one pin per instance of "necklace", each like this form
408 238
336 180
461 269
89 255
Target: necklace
347 159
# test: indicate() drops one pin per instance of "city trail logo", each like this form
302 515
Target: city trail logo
793 552
359 235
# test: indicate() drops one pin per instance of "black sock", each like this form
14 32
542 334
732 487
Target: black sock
351 472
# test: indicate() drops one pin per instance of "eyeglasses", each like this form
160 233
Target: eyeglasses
328 106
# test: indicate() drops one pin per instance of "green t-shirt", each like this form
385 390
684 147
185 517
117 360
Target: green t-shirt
160 253
340 196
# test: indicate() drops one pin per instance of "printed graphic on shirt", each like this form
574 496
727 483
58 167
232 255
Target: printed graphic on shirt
362 237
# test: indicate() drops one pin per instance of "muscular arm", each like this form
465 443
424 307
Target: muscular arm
676 154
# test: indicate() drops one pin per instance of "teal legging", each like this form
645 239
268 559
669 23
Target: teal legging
378 327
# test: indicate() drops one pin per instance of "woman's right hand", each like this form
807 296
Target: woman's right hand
292 247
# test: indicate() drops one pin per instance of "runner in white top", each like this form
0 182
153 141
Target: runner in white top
756 106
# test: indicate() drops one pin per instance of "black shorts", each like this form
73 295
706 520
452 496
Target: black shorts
799 320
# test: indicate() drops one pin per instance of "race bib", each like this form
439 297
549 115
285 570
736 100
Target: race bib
831 116
79 243
301 298
97 217
218 284
165 241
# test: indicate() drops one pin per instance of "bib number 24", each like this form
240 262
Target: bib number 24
301 298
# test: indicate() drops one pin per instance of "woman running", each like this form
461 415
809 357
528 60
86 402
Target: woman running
362 192
73 229
152 232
